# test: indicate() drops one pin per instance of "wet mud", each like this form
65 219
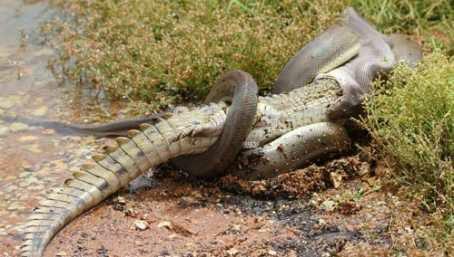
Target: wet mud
32 159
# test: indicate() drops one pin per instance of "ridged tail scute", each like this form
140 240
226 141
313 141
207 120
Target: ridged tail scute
185 133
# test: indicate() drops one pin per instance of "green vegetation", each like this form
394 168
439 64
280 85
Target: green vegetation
157 53
165 52
411 117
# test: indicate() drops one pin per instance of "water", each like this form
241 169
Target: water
32 159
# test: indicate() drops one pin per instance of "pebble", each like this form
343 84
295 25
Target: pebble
4 131
236 228
6 103
18 126
35 188
165 224
27 138
328 205
336 179
141 225
25 174
15 206
364 169
28 181
120 200
49 132
232 252
34 148
10 189
272 252
41 111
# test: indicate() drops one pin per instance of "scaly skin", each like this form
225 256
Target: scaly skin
185 133
334 47
241 88
188 132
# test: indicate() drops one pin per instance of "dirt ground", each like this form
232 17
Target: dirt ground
337 209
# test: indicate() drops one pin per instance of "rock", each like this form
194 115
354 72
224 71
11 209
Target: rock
6 102
165 224
15 207
236 228
272 252
28 181
328 205
141 225
173 236
48 131
336 179
120 200
18 126
41 111
61 254
25 174
27 138
232 252
364 169
34 148
4 131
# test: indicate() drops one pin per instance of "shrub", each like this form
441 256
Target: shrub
411 117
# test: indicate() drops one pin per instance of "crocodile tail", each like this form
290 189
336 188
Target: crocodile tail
106 174
89 186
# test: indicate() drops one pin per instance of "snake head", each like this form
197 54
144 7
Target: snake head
377 56
404 49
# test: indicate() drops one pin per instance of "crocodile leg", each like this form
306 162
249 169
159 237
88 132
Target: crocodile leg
292 150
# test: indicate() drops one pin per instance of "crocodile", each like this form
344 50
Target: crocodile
308 120
187 132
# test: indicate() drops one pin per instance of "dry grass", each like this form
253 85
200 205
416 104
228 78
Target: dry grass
165 52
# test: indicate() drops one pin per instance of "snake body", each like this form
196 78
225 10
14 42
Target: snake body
332 48
115 128
242 89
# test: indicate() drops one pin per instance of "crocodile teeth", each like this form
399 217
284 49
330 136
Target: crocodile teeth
133 132
122 140
144 126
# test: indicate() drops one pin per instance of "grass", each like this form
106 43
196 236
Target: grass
166 52
160 53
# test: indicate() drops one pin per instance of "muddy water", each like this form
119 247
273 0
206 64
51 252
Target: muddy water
32 159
